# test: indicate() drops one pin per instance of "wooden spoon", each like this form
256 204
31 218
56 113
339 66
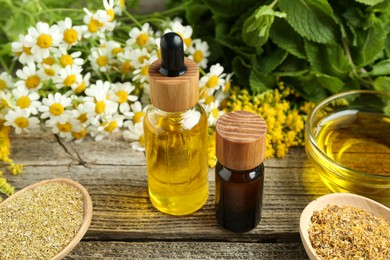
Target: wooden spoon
339 199
87 205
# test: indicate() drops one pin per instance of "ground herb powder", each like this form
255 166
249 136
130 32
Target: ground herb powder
344 232
40 222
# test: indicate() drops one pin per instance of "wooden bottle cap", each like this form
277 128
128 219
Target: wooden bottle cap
240 140
174 94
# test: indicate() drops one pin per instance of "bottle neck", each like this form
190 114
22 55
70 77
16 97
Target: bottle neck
220 166
172 114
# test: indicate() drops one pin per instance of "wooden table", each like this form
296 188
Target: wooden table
126 226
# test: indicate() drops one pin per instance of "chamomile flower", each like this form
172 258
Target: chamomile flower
29 77
81 85
125 65
199 51
55 107
43 39
138 56
68 59
120 5
6 103
214 79
141 37
112 47
48 71
136 114
6 82
79 135
97 23
121 94
222 97
109 7
100 59
135 134
22 50
21 120
203 94
109 126
83 115
145 97
27 99
185 32
65 128
98 104
227 86
71 35
69 76
142 74
213 113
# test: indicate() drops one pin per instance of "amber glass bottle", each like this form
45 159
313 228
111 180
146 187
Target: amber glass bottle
175 128
239 174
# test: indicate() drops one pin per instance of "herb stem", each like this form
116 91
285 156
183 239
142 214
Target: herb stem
349 57
4 65
170 11
13 64
132 18
202 71
60 10
273 3
108 77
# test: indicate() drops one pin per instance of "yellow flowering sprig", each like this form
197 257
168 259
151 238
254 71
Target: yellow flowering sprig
285 119
5 150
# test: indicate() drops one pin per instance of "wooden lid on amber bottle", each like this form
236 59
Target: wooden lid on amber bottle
240 140
173 80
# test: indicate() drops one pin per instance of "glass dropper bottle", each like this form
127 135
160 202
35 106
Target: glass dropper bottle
175 128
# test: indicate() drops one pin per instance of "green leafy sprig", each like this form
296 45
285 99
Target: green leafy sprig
318 47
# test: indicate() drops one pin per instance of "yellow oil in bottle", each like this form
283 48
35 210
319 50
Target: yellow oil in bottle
357 140
176 157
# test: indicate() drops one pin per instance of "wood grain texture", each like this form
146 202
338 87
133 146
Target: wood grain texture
116 179
241 140
186 250
174 94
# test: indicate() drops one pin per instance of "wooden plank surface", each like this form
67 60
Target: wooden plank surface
187 250
124 221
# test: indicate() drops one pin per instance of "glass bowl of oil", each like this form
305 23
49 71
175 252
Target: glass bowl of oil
348 141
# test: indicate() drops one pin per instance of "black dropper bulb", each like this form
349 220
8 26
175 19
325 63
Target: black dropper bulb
172 55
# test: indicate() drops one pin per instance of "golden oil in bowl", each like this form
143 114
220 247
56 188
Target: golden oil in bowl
348 142
357 140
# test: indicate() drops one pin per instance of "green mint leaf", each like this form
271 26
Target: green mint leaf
256 28
5 49
234 44
328 59
381 68
241 70
272 60
387 46
230 9
259 81
312 19
370 2
292 65
333 84
195 13
284 36
310 89
256 32
382 84
370 43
